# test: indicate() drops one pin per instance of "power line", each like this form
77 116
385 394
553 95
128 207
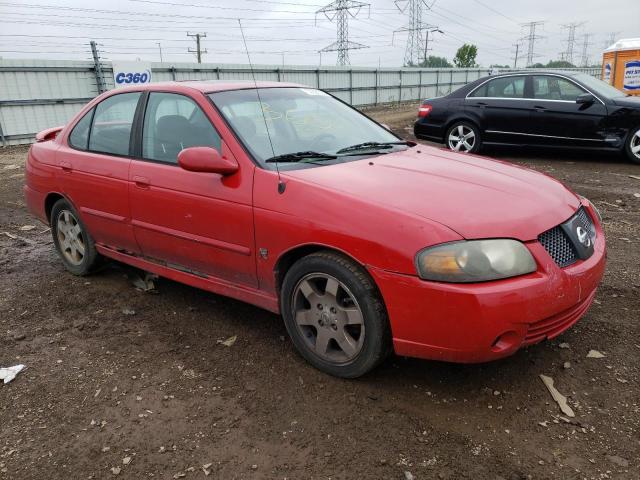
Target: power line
341 10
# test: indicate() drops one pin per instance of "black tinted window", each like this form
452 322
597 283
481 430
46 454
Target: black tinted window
172 123
112 122
79 137
504 87
548 87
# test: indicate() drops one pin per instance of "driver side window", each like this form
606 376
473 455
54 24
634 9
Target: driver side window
173 122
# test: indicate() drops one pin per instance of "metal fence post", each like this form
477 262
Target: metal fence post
350 87
420 88
375 91
217 73
172 69
98 68
4 141
400 92
437 81
278 73
318 78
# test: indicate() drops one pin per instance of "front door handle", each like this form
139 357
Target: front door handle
66 167
481 104
142 182
539 108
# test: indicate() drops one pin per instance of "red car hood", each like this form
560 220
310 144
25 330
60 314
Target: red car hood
476 197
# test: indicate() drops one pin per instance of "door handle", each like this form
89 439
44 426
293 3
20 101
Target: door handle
141 182
481 104
538 108
66 167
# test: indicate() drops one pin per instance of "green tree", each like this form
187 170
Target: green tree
435 62
560 64
466 56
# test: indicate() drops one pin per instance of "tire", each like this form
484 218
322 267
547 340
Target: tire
75 246
311 284
632 145
464 130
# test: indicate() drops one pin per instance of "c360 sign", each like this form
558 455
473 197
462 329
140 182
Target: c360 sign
131 73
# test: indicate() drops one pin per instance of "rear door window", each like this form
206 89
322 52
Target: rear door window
173 122
112 123
503 87
547 87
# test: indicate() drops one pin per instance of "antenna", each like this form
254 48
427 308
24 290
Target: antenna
281 184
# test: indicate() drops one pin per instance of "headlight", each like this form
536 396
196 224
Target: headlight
474 261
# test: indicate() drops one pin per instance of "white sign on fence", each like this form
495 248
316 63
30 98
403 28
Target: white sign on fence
632 75
131 73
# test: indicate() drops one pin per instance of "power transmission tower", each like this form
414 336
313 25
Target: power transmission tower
584 61
567 55
531 39
198 51
611 39
415 51
340 11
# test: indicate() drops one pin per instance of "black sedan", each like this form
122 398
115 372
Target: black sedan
550 109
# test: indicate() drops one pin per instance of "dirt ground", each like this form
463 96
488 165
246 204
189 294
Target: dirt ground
120 383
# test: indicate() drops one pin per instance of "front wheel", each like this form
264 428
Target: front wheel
334 315
632 145
463 137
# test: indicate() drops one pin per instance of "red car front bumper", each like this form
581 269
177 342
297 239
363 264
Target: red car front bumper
480 322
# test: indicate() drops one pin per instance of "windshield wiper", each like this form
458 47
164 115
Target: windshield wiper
298 156
369 145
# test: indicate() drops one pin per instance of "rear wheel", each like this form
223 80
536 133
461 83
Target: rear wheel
71 239
632 145
463 137
334 315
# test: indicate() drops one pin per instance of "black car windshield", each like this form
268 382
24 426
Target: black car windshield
301 120
599 87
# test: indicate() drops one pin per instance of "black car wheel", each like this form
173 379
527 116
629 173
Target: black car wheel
334 315
632 146
72 241
463 137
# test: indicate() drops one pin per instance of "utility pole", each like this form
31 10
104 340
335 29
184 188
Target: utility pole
531 39
414 51
198 51
160 48
585 47
567 55
340 11
515 58
98 67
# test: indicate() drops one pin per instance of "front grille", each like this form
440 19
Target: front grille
558 246
587 223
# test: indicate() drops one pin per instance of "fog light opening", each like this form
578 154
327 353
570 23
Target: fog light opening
504 342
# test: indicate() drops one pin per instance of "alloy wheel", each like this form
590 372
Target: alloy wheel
328 318
462 139
70 237
635 144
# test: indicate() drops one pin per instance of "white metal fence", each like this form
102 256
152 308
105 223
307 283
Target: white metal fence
38 94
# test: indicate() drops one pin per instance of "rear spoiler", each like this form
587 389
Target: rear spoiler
48 134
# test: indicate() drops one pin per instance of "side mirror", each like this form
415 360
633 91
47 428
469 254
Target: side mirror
384 125
585 99
206 159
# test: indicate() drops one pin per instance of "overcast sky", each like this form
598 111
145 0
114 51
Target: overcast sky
286 30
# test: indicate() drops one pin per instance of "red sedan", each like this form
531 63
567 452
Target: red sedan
285 197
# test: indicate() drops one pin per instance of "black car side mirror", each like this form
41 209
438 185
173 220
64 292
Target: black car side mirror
585 99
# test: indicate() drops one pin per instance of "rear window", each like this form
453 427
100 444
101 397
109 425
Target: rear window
503 87
112 123
79 137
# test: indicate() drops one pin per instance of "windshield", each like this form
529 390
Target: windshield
599 87
299 120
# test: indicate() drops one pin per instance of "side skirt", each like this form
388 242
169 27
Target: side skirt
204 282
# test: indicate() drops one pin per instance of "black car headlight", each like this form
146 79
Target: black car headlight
474 261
